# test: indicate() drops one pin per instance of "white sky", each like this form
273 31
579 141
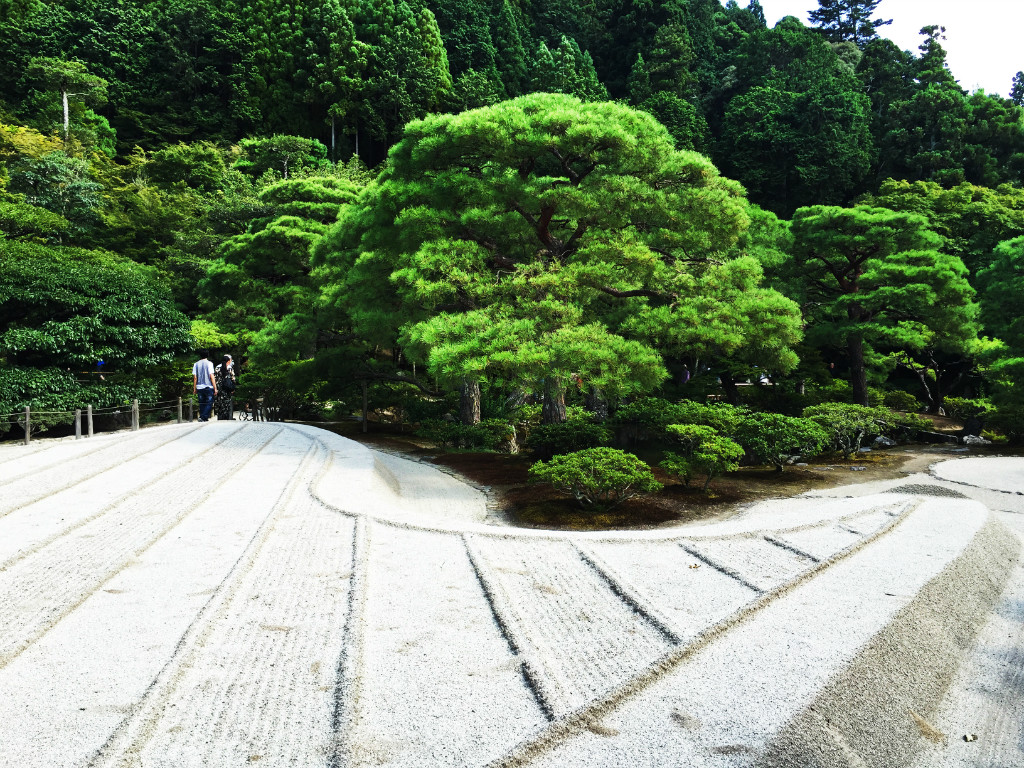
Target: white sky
983 37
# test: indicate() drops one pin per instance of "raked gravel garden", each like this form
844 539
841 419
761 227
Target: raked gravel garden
240 594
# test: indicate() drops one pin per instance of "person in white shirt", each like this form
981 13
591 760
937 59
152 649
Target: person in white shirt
204 385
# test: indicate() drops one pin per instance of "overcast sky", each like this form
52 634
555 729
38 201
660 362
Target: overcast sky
983 37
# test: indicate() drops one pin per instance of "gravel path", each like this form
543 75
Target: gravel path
264 594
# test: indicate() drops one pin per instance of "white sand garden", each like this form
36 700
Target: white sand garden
262 594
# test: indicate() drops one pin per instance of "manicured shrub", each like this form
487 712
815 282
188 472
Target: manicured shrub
704 451
840 391
963 407
847 425
648 417
722 417
549 440
602 477
714 455
898 400
690 435
677 465
489 434
444 433
904 426
770 438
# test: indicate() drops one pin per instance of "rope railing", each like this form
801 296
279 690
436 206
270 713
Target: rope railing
24 418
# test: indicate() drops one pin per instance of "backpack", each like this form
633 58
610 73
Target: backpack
227 382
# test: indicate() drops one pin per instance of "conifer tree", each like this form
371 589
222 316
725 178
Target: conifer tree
1017 89
849 20
512 43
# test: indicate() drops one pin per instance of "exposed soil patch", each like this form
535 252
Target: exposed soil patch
537 505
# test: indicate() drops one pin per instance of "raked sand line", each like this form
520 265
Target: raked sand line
31 487
142 725
34 525
94 665
730 702
40 588
587 716
368 616
880 706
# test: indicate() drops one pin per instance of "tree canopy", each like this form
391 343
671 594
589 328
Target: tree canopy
546 238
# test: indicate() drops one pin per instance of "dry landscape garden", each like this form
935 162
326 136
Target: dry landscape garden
619 383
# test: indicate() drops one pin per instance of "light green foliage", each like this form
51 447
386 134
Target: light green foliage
489 434
207 335
654 416
61 184
603 477
690 435
705 451
280 154
972 220
259 286
678 465
715 456
846 425
898 400
771 438
878 280
723 418
965 407
512 243
1001 285
71 79
198 166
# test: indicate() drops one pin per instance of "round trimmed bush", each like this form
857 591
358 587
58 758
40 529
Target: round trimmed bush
602 477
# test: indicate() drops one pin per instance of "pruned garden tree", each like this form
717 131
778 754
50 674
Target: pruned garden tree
544 239
873 278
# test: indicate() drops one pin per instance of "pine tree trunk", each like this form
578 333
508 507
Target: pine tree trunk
553 409
597 405
858 370
469 402
729 388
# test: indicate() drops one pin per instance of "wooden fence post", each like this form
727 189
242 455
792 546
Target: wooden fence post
28 424
190 410
78 423
365 408
88 418
135 415
179 410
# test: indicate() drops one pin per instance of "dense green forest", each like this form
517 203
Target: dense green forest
483 207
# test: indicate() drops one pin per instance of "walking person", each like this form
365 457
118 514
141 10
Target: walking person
204 385
224 376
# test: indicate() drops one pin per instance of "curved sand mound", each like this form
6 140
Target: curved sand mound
234 594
